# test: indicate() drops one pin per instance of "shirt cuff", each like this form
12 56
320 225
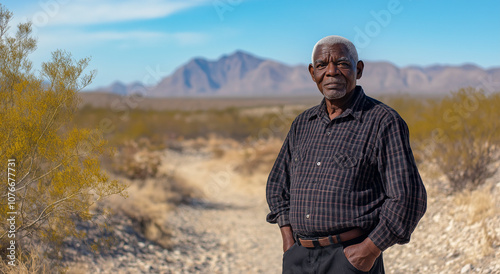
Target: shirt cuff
382 237
283 219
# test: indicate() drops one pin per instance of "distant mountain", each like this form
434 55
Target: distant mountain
239 74
243 74
122 89
383 77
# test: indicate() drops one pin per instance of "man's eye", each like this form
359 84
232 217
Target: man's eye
344 64
320 65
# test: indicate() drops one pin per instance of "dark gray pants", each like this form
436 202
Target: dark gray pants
319 260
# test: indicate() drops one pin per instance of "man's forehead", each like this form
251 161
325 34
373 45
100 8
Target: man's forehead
335 50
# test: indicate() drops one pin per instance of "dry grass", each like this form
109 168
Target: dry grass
136 159
478 205
477 209
30 261
149 202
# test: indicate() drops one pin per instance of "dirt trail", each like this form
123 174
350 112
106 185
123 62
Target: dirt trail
226 232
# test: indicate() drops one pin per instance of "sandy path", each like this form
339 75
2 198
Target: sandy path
226 232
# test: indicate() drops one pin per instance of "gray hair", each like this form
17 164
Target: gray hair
335 39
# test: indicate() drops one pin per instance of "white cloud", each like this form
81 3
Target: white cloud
91 12
68 20
189 38
71 39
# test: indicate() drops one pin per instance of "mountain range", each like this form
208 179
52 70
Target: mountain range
242 74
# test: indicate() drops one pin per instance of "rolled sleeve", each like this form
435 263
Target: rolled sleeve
382 237
281 219
406 198
278 186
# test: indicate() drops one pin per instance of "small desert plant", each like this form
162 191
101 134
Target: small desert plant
478 206
137 160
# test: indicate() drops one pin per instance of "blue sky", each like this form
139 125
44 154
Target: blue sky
132 40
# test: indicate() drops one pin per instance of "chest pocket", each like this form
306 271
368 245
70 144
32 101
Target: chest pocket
345 161
353 171
341 171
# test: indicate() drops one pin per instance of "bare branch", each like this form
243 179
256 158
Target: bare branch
44 215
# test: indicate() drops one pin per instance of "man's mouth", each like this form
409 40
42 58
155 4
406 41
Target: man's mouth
333 85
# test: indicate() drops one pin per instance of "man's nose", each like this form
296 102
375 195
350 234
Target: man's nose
331 69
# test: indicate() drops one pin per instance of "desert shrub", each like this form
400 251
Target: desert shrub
56 165
137 160
461 135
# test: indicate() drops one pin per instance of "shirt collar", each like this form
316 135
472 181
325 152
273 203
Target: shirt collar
355 109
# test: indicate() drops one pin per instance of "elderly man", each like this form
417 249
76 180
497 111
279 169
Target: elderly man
345 185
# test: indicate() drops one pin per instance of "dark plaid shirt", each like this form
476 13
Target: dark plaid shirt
356 170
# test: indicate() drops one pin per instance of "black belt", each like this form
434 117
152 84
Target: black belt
332 239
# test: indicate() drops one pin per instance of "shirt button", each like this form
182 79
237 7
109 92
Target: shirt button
296 159
328 133
318 163
307 216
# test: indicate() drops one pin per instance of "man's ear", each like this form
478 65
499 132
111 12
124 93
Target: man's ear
359 69
311 71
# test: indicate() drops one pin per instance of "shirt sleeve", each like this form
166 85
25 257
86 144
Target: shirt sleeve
406 198
278 184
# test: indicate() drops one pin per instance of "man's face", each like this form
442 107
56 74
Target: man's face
334 71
